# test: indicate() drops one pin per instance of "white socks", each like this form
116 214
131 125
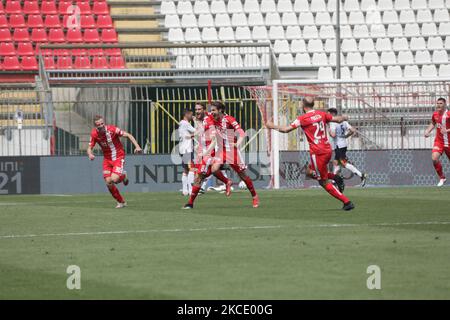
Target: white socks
184 182
190 181
353 169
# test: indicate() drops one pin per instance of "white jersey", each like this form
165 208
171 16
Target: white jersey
341 130
185 130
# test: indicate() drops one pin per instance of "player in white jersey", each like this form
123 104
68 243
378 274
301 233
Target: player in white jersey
339 132
186 133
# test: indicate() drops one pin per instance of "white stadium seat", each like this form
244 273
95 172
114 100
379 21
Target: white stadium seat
411 71
356 17
360 31
234 6
281 46
192 35
176 35
276 32
407 16
325 73
201 7
306 18
310 32
388 57
319 59
298 45
332 59
331 5
205 20
373 17
200 62
419 4
435 43
366 45
444 70
293 32
359 73
384 5
354 59
368 5
424 15
318 6
371 58
183 62
444 28
429 29
349 45
390 17
441 15
440 56
289 19
172 21
189 21
284 6
405 57
323 18
285 60
235 61
378 31
436 4
346 32
394 72
376 72
412 30
209 35
395 30
251 60
255 19
260 33
429 71
301 6
315 45
268 6
417 43
226 34
184 7
243 34
401 5
447 42
222 20
399 44
351 5
217 61
218 6
273 19
327 32
251 6
239 20
383 44
342 16
168 7
345 73
302 59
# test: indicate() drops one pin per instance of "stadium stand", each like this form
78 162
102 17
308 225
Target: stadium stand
408 37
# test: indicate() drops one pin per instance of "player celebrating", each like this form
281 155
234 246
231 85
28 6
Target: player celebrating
313 122
339 135
220 130
108 137
186 133
440 120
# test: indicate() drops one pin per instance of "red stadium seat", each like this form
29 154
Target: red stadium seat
5 35
87 22
104 22
25 49
64 62
35 21
95 52
91 36
29 63
99 62
49 63
109 36
100 7
113 52
7 49
17 21
44 52
48 7
62 7
56 35
82 63
52 21
74 36
61 52
116 63
39 35
2 9
85 7
31 7
11 63
21 34
3 21
13 7
79 52
71 22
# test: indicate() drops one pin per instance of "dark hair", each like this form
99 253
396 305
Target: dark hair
332 110
97 117
219 105
308 102
186 111
201 104
442 99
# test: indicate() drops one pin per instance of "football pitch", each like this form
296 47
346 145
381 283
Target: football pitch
298 245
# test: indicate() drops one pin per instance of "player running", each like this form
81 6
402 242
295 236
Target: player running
186 133
222 147
339 132
313 122
440 120
108 137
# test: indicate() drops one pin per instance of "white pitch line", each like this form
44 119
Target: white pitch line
69 234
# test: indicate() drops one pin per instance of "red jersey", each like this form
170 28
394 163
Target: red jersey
226 129
109 141
441 121
206 132
314 125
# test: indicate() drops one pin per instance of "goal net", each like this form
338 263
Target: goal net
390 118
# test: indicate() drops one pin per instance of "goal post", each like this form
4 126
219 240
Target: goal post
389 116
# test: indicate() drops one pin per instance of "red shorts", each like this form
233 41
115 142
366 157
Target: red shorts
113 166
319 164
204 167
233 159
438 147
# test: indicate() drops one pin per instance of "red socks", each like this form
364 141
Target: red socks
438 167
331 175
195 190
122 176
249 184
115 193
219 175
335 193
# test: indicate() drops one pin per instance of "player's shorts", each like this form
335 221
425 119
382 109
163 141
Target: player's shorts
438 147
234 159
340 154
186 159
204 167
319 164
113 166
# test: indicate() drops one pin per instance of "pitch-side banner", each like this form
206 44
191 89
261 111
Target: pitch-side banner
19 175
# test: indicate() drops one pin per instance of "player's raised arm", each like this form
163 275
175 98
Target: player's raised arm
133 140
339 119
283 129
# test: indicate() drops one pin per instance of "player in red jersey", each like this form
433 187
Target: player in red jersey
108 137
223 148
441 121
314 123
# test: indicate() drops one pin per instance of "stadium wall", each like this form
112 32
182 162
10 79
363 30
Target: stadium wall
152 173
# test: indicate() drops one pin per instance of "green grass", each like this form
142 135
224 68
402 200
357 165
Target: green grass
306 248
